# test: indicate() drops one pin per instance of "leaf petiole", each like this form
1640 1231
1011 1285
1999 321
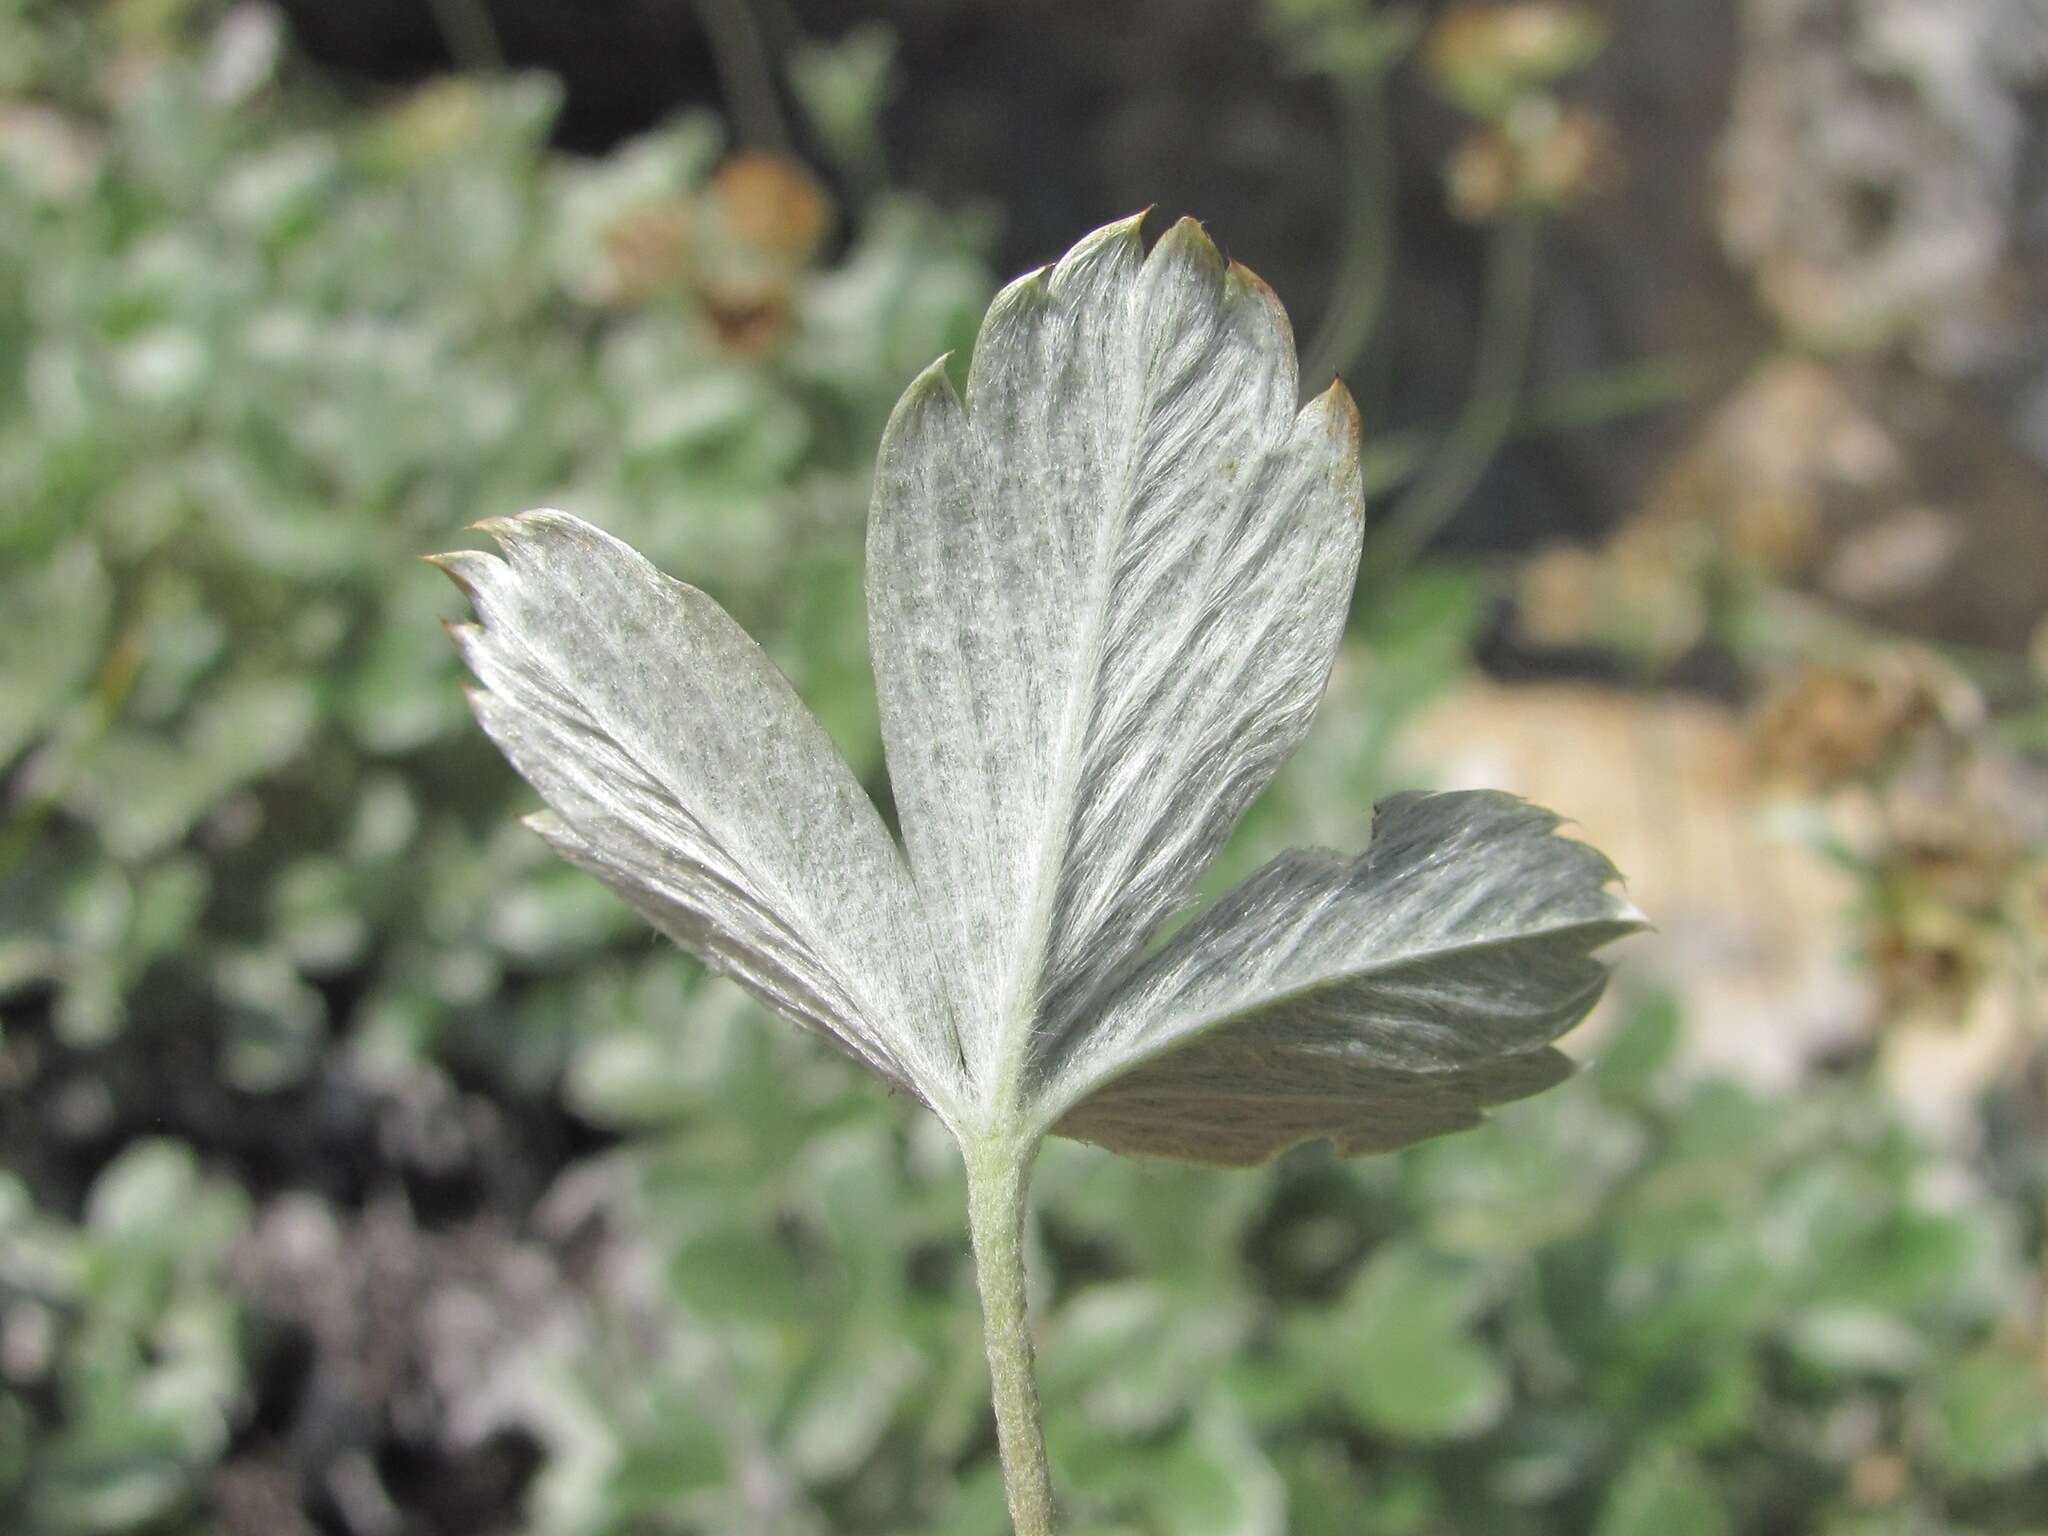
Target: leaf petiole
998 1178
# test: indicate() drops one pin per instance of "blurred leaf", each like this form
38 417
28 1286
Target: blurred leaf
1217 1482
1500 1191
1488 59
272 1020
1989 1415
842 1409
1853 1341
57 611
1133 1355
1662 1495
1402 1352
842 87
1640 1049
1350 39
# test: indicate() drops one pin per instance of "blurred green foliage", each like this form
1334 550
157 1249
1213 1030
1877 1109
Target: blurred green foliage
1646 1304
267 353
123 1356
263 348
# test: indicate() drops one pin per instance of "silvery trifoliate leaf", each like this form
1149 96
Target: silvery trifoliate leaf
1104 593
1105 588
1372 1001
681 769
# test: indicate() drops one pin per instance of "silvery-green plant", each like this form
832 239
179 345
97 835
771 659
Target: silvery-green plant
1105 589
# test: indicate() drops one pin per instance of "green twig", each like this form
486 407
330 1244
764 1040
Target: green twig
1608 394
1490 409
472 38
740 53
997 1179
1590 400
1366 259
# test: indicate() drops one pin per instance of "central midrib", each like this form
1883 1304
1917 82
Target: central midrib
1015 1031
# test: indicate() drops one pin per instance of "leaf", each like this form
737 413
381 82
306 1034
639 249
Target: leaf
1662 1494
681 769
1104 593
1410 1365
1132 1355
844 1407
147 790
1217 1481
1374 1001
57 611
1105 589
1989 1416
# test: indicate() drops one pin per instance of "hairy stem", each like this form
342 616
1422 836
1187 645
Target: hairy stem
1490 409
997 1175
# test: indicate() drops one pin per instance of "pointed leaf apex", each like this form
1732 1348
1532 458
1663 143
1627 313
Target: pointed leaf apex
1122 241
1130 227
464 567
523 528
932 379
929 408
1013 301
1245 278
1629 915
1336 404
1187 244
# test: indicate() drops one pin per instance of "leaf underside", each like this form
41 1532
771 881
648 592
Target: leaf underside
1373 1001
1104 594
681 769
1105 589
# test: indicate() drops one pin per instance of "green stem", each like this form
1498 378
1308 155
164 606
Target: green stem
740 54
1489 415
471 37
1590 400
998 1174
1626 389
1366 259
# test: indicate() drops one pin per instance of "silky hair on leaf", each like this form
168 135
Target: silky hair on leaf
1105 589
